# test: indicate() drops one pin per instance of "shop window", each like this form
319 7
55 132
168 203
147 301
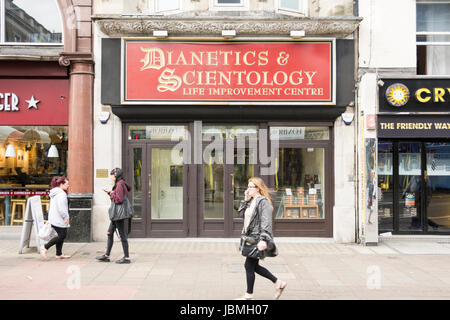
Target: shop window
433 37
137 194
26 21
386 187
29 157
167 6
224 5
292 6
299 184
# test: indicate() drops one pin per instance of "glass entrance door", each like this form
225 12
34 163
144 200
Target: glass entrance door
166 185
414 180
437 180
157 170
410 186
228 163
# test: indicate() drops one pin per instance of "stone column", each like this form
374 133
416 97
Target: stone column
80 154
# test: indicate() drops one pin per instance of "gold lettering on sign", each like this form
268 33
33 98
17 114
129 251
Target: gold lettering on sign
422 99
438 95
168 81
441 126
154 58
386 126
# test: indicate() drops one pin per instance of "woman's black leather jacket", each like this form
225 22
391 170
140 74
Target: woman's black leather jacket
261 221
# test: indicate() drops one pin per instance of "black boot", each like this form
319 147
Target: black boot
103 258
123 260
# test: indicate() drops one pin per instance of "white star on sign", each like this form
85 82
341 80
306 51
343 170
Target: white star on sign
32 103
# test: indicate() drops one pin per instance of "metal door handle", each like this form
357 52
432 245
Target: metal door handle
232 183
149 186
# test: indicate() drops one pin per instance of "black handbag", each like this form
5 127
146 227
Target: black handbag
121 211
248 246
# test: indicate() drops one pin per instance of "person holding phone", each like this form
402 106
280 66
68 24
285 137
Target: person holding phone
257 210
117 194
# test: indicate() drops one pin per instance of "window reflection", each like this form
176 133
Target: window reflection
385 179
32 21
137 182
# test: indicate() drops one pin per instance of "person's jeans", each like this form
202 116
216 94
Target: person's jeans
58 240
252 266
120 226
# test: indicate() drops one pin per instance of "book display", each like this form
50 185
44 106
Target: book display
303 202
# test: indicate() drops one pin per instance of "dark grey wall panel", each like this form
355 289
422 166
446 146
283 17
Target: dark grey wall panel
345 72
110 71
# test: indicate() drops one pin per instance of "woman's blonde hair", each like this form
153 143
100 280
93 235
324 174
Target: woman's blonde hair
263 189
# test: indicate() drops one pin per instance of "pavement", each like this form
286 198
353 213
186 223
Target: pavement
212 269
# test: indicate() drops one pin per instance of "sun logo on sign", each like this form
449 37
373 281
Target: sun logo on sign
397 94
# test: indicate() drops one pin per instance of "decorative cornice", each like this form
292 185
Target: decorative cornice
276 25
68 58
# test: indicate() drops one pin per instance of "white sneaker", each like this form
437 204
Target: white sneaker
246 297
279 286
43 252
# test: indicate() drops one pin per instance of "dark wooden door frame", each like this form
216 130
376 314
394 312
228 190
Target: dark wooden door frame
139 225
166 227
310 227
193 177
231 226
144 227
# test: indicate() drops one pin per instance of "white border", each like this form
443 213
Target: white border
215 102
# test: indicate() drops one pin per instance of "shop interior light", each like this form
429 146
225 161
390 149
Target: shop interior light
297 34
160 33
53 152
228 34
10 151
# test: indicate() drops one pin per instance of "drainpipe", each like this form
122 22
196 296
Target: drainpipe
356 119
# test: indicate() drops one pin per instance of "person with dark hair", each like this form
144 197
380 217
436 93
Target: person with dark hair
119 191
58 216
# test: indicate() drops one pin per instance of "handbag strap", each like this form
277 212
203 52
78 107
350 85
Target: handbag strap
123 190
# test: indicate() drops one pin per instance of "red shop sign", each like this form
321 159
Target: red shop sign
174 72
34 101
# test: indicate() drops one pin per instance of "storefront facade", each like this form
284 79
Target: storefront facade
413 156
199 115
46 74
34 134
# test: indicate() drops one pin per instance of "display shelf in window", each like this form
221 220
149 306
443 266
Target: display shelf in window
299 206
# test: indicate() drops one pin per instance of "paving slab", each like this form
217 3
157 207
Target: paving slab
198 269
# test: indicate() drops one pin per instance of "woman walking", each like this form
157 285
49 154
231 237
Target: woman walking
117 196
257 211
58 216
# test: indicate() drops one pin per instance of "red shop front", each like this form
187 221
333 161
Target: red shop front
34 99
226 103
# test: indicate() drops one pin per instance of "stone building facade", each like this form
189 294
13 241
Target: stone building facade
315 182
